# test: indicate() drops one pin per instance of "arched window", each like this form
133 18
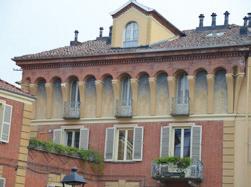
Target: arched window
126 91
131 35
75 99
182 89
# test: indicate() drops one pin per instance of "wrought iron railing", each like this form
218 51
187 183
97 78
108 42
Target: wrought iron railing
123 110
71 110
168 172
180 106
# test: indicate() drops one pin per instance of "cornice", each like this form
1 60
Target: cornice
133 59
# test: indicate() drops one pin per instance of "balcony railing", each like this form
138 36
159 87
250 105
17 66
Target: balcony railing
71 110
170 172
180 106
123 111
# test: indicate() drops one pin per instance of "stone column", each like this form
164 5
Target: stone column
81 87
239 81
172 90
230 92
191 80
49 100
65 93
116 92
33 91
210 95
152 83
99 94
134 86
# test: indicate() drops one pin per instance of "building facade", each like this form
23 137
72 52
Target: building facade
15 117
149 90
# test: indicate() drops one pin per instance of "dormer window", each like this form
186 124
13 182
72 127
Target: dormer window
131 35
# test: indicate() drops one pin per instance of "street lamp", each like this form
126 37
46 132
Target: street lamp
73 179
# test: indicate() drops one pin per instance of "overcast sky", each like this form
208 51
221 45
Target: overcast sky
30 26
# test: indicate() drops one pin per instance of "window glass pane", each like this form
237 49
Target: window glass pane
177 142
187 142
126 91
69 138
76 140
121 145
182 89
129 145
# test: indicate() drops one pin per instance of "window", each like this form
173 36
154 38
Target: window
77 137
182 89
5 121
181 141
124 144
75 98
2 182
126 91
131 35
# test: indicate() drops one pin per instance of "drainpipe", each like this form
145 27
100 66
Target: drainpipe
247 107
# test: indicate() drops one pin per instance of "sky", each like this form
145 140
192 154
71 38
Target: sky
31 26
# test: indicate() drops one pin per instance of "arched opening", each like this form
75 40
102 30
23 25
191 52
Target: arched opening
57 105
220 92
201 91
125 91
107 98
41 102
90 97
131 35
162 94
143 95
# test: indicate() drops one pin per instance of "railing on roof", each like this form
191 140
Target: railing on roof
71 110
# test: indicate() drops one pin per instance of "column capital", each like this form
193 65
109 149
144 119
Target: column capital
98 82
81 83
33 85
190 77
170 78
115 81
210 76
229 75
152 79
133 80
48 84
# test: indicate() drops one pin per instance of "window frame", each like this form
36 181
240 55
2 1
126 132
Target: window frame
126 95
2 178
73 131
132 40
4 104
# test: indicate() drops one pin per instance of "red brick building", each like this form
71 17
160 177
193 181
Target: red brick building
147 90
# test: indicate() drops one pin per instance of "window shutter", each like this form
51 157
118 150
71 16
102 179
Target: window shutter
2 182
5 132
196 142
138 143
109 143
57 136
84 138
164 141
249 145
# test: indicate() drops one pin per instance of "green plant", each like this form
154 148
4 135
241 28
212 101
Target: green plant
180 162
86 155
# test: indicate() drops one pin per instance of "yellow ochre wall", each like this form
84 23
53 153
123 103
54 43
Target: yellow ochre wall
150 30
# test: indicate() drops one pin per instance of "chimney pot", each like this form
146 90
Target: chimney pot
101 32
245 21
214 19
76 35
226 20
201 19
249 19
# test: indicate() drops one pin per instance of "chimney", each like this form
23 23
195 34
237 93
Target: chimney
249 19
245 21
226 18
201 19
214 19
75 41
76 35
101 32
110 32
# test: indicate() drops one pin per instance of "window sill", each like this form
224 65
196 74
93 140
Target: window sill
122 161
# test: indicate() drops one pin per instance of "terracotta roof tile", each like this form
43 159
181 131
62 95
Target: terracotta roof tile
193 40
11 88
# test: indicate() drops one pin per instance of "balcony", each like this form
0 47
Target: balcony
171 172
71 110
123 111
180 106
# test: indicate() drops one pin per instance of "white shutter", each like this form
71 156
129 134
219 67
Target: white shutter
2 182
57 136
138 143
164 141
84 138
196 142
6 124
109 143
249 145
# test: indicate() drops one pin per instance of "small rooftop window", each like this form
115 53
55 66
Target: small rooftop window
216 34
131 35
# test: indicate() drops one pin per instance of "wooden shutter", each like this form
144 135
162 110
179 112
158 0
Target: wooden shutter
84 138
2 182
164 141
196 142
138 143
109 143
57 136
6 124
